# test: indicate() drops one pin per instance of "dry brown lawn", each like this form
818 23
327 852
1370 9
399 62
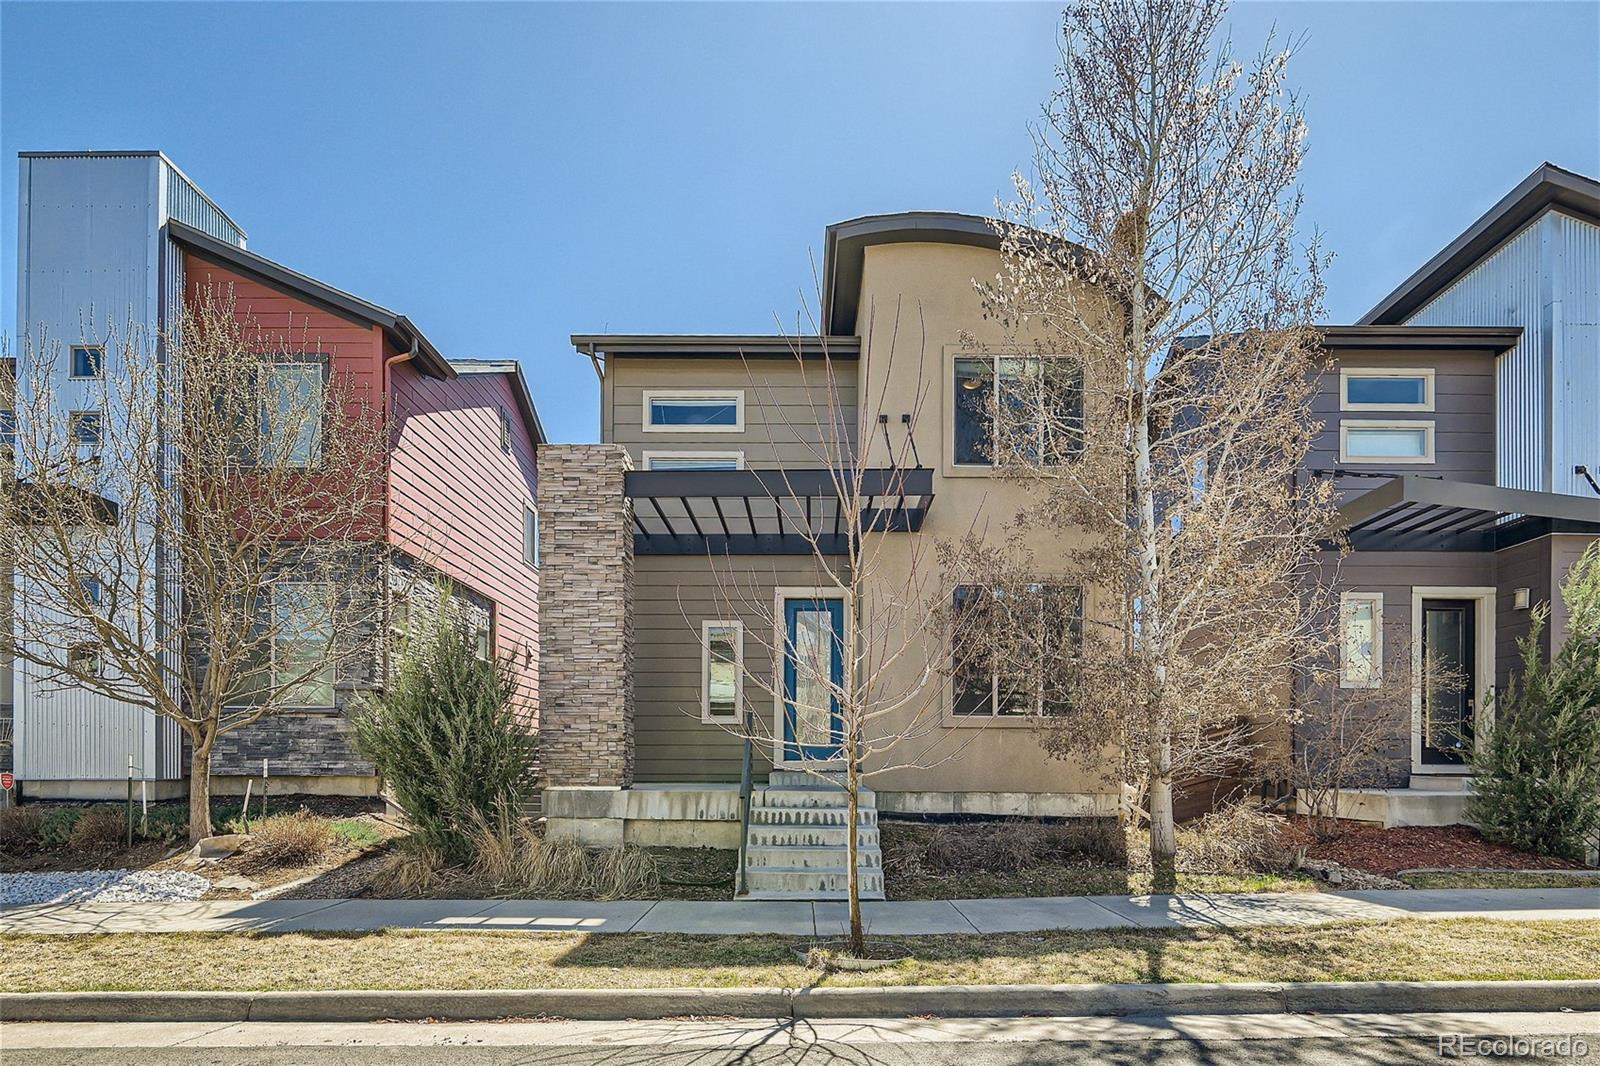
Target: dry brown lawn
1457 949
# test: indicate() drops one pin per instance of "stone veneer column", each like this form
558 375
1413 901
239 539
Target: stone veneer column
585 616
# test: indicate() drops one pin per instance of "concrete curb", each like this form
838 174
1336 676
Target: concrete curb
952 1001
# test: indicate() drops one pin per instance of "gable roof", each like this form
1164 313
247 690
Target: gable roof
401 330
519 388
1549 186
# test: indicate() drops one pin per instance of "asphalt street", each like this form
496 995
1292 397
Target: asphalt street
1195 1040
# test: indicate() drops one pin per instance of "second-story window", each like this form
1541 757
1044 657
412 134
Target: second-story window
1037 400
1385 389
505 431
1364 441
291 414
694 460
694 410
8 429
530 536
87 361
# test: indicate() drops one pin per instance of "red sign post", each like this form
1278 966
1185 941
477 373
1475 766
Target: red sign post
8 780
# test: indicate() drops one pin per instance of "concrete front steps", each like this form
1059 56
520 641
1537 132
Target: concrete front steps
1430 799
797 843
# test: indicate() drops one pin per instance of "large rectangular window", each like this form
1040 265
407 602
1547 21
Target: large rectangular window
1385 389
1037 399
1362 441
694 410
84 427
302 634
87 361
1019 665
291 414
721 671
1360 640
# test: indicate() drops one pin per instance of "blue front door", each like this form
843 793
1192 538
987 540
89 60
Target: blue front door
813 674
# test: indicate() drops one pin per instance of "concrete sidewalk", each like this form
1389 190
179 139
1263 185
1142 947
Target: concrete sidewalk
801 918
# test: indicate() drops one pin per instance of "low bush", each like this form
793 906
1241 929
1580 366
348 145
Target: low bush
511 857
21 829
356 834
1237 840
415 868
448 738
56 825
296 839
99 830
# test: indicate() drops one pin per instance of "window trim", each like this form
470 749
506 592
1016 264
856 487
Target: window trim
505 430
706 627
1347 424
651 395
1426 373
650 457
100 367
1376 600
947 396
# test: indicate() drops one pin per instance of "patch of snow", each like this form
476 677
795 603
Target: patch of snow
101 886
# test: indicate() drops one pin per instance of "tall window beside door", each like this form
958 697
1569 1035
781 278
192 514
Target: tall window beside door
1360 640
721 671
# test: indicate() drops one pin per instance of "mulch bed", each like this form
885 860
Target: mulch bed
1369 847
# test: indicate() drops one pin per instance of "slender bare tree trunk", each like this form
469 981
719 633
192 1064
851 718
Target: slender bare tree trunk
1163 827
853 849
200 791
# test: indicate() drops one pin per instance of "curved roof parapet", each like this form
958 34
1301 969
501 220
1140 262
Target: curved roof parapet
1549 186
844 250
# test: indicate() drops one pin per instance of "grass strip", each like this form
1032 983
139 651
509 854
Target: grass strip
1405 950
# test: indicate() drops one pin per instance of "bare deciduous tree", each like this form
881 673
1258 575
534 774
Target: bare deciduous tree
198 527
1155 248
901 636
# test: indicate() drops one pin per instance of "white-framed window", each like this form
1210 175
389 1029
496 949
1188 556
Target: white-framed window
1372 441
291 414
1365 388
86 361
694 460
1360 639
1028 681
302 630
1041 395
85 428
530 535
694 410
721 671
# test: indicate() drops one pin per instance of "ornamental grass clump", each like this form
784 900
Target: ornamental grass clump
449 738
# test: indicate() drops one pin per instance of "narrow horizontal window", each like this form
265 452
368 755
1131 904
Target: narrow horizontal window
691 410
88 360
1402 442
721 670
694 460
1385 389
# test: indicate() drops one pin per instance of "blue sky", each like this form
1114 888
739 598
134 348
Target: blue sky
509 174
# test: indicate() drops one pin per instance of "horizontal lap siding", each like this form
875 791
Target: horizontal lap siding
787 415
672 596
457 499
1463 416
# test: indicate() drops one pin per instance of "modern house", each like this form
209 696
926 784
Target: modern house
1462 420
1459 418
105 237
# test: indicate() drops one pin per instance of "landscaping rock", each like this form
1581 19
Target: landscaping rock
1346 877
102 886
218 847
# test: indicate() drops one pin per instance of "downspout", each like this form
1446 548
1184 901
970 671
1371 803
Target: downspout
388 489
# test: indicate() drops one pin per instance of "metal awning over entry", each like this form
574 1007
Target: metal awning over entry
1409 513
768 512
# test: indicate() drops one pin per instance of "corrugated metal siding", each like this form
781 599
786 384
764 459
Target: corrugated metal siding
1577 352
167 756
88 264
1546 279
189 205
1504 290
